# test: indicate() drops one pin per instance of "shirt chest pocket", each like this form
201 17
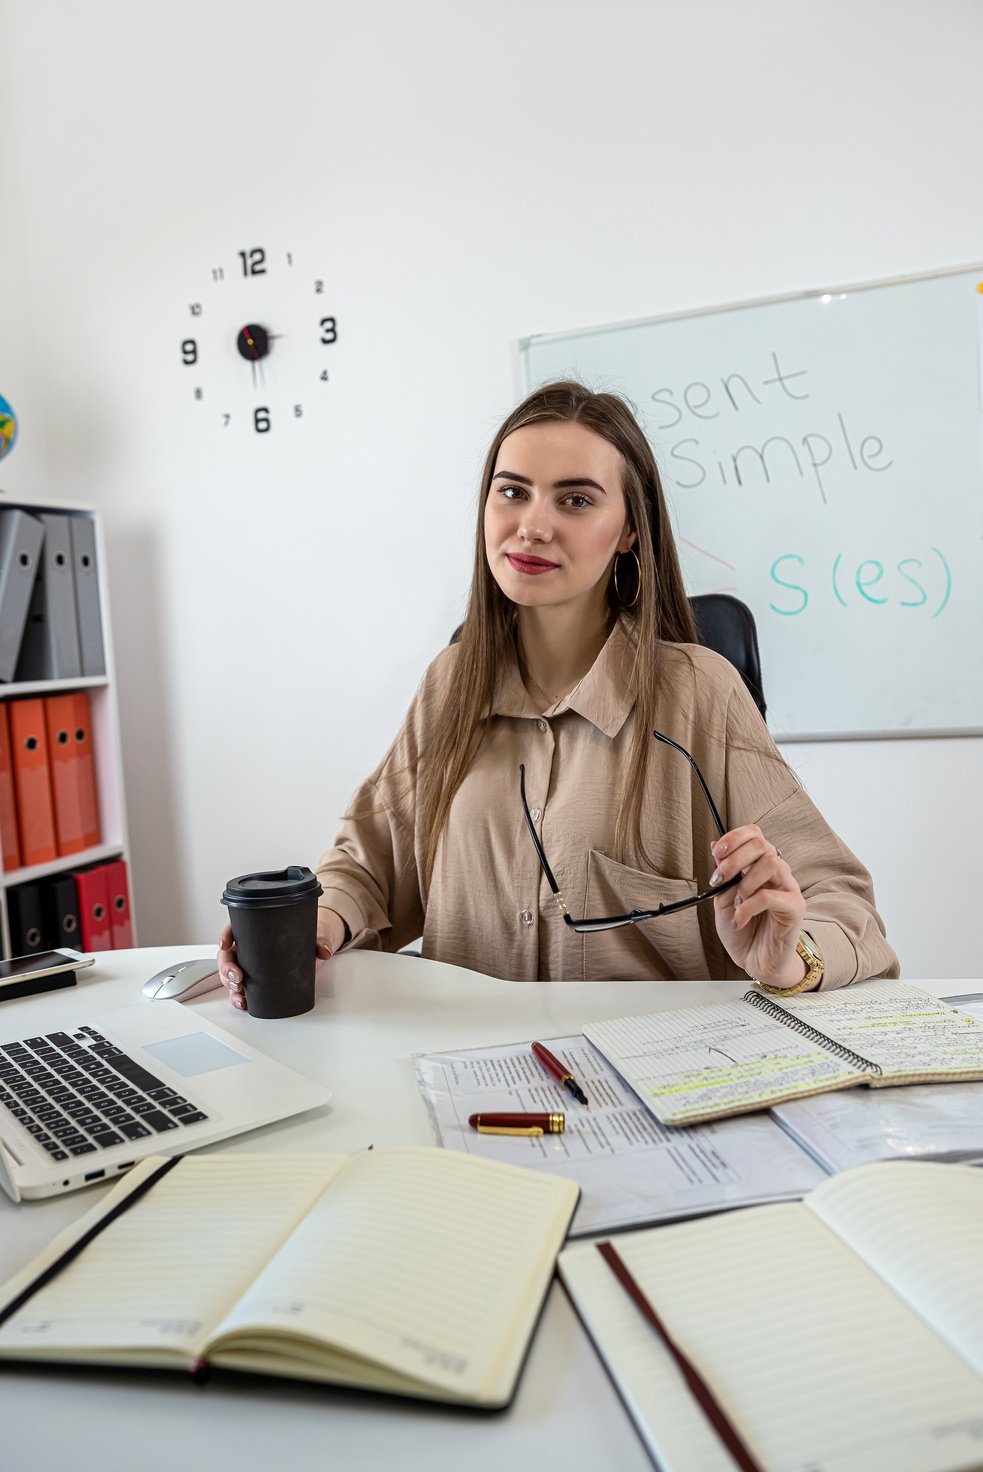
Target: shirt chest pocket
664 949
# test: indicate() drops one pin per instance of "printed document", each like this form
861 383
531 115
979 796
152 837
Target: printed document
630 1168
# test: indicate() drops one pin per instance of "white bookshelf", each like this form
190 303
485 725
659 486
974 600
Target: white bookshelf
106 748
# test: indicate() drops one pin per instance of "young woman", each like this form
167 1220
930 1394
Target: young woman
577 645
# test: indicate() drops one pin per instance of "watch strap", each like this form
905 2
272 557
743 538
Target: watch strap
805 947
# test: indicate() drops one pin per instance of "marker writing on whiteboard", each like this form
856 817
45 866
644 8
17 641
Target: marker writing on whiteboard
859 581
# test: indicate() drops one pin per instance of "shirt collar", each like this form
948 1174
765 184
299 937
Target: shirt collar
602 697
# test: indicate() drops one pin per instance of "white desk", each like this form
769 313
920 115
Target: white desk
373 1013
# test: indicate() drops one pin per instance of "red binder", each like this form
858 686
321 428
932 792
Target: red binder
8 807
85 768
64 760
118 889
32 782
93 897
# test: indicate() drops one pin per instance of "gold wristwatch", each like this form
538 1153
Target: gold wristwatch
805 947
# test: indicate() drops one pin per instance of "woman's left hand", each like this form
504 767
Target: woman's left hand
759 920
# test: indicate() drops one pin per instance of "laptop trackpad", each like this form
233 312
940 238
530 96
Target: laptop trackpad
196 1052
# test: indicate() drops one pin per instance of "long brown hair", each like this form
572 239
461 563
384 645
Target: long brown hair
487 642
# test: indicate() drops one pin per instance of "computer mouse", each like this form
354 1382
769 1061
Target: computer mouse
183 980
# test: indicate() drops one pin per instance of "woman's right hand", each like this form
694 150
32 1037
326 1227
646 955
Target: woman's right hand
330 937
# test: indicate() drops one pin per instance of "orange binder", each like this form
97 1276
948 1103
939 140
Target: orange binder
8 808
118 889
32 783
85 767
64 761
96 932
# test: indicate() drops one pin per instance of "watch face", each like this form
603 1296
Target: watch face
258 345
810 956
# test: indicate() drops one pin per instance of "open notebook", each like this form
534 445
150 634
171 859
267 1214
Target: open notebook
844 1332
697 1063
413 1271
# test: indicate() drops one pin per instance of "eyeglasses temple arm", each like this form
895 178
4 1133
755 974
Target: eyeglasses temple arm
554 887
699 777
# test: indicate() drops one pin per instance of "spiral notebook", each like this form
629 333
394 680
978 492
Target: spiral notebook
697 1063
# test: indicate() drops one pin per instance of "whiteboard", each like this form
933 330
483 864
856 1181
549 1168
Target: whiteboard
822 455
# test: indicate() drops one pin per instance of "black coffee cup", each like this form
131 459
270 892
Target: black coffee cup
274 921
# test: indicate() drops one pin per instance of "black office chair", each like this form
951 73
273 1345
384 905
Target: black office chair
725 625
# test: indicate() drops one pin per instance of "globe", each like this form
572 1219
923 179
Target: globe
8 428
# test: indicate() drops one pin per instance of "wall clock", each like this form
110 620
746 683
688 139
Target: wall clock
257 343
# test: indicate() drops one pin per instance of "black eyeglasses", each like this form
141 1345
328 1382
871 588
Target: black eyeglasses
612 922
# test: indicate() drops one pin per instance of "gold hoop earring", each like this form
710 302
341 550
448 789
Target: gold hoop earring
638 578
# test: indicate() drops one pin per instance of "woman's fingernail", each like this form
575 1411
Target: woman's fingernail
715 877
233 978
239 1002
721 847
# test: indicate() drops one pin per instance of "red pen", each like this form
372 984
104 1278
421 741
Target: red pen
517 1124
559 1070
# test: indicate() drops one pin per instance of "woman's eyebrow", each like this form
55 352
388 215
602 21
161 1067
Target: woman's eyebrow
558 485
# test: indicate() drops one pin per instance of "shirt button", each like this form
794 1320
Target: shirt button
543 725
535 814
526 917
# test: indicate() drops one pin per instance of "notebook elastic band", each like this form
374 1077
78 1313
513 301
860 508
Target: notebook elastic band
698 1387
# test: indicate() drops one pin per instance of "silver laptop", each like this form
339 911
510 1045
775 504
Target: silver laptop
83 1103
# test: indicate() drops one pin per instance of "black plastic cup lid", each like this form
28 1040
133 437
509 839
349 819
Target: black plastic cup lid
271 887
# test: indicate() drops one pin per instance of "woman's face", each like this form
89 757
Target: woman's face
555 516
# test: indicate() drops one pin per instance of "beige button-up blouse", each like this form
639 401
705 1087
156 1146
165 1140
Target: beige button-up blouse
488 906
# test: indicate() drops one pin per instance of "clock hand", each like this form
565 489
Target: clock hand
253 341
253 344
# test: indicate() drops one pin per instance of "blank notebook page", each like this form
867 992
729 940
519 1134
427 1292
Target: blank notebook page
938 1204
424 1260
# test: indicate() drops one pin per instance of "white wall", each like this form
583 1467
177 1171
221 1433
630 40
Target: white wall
20 381
462 174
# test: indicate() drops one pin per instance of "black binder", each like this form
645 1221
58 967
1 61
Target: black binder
60 912
27 933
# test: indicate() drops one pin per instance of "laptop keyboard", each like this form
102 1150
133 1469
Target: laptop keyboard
78 1092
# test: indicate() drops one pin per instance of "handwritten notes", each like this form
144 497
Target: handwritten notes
901 1029
692 1063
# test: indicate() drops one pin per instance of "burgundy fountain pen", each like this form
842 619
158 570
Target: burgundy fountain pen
560 1071
517 1124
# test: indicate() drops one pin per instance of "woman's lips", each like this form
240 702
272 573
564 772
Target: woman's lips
530 564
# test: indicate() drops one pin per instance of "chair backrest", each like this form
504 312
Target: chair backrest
726 625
